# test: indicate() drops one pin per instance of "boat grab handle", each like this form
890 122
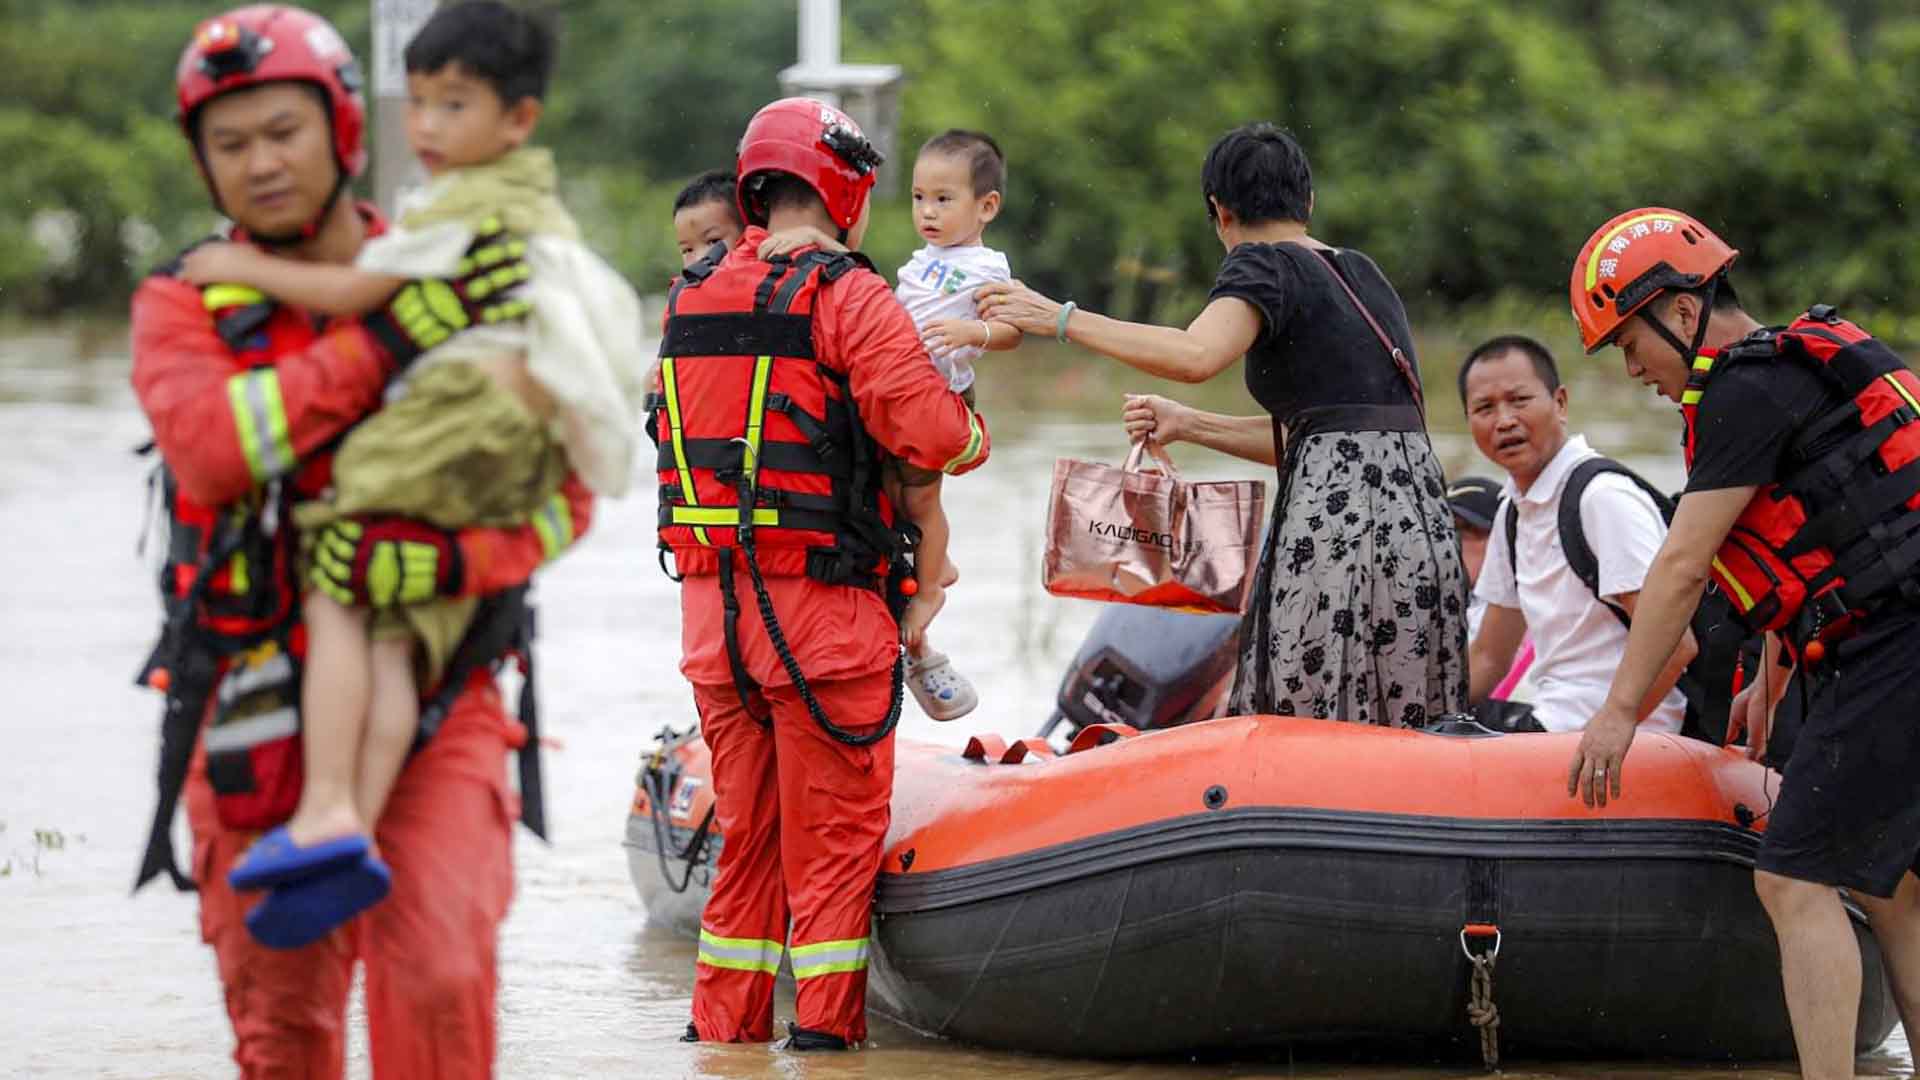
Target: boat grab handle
1479 930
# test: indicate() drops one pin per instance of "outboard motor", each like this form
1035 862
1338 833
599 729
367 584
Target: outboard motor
1147 667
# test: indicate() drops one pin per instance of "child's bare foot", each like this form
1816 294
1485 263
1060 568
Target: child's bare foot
309 827
919 615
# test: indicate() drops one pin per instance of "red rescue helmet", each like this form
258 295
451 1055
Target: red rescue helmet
815 142
265 43
1634 258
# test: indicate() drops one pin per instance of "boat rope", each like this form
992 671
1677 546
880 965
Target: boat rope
1481 1011
655 783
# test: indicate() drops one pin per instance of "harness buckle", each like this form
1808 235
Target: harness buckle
837 566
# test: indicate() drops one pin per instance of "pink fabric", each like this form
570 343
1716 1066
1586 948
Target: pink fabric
1517 672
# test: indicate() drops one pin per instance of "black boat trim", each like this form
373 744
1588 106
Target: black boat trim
1265 827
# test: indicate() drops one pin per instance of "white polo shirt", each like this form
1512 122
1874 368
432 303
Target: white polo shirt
1578 642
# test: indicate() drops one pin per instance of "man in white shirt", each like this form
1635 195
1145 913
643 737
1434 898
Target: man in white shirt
1517 411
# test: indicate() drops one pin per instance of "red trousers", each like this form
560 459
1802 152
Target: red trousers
802 818
429 946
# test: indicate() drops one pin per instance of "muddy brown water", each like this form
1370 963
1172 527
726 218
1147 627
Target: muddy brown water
93 983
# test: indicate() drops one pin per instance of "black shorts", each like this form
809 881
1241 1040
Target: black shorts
1848 813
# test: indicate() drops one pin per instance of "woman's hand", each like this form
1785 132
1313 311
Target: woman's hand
1011 302
1164 420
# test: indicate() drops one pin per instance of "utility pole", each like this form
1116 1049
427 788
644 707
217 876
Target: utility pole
869 93
395 169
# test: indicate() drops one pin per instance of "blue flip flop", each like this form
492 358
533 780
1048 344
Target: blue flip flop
275 859
302 912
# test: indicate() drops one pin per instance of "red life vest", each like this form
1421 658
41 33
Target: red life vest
750 422
746 412
229 586
1839 534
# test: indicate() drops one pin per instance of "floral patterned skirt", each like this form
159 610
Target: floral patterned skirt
1359 609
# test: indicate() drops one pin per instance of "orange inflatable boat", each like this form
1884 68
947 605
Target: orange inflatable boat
1256 881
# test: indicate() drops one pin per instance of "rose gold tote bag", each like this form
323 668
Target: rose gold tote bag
1142 535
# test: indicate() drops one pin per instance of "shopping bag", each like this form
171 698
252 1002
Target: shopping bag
1142 535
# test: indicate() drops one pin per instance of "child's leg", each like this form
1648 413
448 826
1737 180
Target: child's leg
392 722
920 498
334 696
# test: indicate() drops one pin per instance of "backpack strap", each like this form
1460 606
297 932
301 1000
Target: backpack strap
1573 535
1509 517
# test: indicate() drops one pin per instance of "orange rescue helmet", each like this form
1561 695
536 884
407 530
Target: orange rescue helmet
1634 258
815 142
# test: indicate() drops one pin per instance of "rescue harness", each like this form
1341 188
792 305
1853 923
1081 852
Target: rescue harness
1838 537
232 640
764 460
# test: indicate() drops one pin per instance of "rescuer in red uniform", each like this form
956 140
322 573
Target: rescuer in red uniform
783 381
246 399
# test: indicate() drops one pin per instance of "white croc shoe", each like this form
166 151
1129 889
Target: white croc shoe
943 693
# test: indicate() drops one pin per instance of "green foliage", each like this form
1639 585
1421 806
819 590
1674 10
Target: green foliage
1468 145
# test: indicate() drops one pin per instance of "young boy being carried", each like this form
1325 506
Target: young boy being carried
706 213
957 183
483 430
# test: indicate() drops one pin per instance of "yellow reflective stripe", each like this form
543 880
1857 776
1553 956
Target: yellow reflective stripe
1701 364
756 416
670 385
829 957
1600 249
739 954
1740 594
215 297
720 516
237 581
553 522
1901 390
975 439
260 419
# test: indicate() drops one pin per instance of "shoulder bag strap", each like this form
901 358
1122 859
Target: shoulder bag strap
1399 356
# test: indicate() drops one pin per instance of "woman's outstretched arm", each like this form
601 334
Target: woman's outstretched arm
1222 333
1248 437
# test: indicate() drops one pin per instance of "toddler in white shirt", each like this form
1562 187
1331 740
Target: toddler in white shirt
957 181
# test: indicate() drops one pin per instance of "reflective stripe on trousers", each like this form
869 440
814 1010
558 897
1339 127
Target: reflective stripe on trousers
829 957
739 954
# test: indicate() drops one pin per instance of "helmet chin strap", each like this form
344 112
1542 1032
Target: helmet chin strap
312 228
1687 352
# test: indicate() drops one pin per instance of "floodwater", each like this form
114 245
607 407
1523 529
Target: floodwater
93 983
